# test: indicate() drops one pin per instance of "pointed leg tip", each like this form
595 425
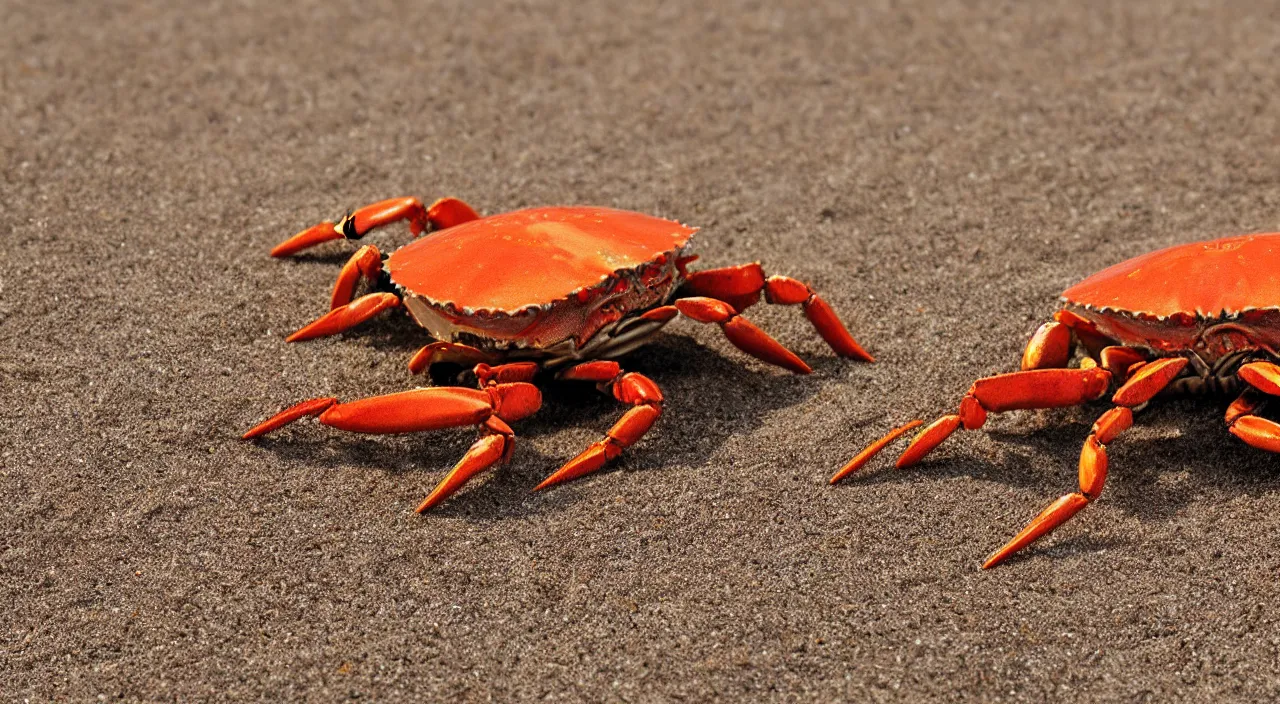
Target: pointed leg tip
426 505
547 483
303 333
309 237
845 471
856 353
992 561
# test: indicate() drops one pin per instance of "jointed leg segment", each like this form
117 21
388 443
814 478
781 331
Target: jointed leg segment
505 396
1259 432
741 286
633 389
445 212
1093 475
741 332
346 316
1046 383
365 264
1141 387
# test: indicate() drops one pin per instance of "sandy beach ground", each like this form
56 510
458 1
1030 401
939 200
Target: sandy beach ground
939 171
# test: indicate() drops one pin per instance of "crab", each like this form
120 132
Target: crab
1198 319
560 289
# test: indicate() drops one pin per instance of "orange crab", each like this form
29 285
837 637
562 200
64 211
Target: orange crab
1195 319
562 288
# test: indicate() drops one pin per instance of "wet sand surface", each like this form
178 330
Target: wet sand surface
938 171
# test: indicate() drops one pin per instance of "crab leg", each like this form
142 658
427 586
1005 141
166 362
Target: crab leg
1043 383
634 389
445 212
347 316
496 442
449 353
1255 430
365 263
741 332
1038 388
413 411
1148 381
740 286
490 408
1093 474
1049 348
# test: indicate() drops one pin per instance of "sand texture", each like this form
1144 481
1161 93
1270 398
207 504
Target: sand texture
939 171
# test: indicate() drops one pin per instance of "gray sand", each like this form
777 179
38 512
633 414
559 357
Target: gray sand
939 171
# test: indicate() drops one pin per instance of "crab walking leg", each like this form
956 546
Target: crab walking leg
447 353
1038 388
497 440
1093 475
366 263
636 390
445 212
740 286
490 408
413 411
496 443
1148 381
741 332
347 316
1259 432
873 449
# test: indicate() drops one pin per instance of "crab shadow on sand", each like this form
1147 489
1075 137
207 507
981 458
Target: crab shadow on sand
1178 453
709 397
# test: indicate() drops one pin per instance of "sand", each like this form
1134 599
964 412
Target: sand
938 171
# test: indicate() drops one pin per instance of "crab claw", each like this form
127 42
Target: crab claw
309 237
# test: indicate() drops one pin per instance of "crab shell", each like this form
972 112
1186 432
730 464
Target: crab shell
1213 298
544 282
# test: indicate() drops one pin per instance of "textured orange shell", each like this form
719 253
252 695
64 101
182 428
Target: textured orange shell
535 257
1205 279
1214 297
